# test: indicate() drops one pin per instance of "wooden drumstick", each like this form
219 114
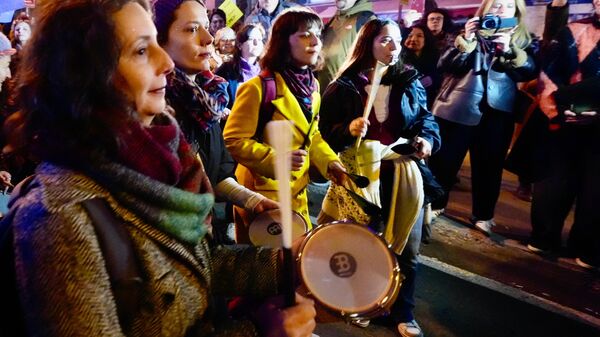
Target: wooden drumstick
380 68
279 134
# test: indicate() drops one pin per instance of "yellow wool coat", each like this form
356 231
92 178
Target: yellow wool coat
255 169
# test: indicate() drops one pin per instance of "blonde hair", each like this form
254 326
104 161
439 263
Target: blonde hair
521 37
221 33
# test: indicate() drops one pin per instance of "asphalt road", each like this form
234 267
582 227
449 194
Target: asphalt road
448 306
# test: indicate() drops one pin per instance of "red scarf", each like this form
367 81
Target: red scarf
161 152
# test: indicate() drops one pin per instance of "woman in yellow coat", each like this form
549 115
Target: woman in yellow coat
292 51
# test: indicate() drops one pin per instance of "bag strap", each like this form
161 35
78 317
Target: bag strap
121 264
267 109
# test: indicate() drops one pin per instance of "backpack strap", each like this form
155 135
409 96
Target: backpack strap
121 264
267 109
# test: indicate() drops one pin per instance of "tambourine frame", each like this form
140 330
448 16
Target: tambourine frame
295 216
378 309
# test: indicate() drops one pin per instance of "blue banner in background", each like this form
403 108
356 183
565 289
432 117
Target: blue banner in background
11 5
6 16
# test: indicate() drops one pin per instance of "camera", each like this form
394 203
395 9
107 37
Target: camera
494 22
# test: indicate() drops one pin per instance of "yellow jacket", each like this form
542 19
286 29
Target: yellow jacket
255 169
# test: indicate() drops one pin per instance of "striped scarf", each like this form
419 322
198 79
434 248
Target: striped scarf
158 177
302 84
205 99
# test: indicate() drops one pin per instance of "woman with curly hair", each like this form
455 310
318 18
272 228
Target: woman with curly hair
94 114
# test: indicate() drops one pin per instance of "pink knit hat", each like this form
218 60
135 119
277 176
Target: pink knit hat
5 46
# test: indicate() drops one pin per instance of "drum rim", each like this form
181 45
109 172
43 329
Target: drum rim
379 308
275 210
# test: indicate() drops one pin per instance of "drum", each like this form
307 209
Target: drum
265 229
350 270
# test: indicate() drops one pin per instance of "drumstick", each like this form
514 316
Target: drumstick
280 137
380 68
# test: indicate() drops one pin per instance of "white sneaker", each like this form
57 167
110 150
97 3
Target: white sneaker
410 329
363 323
436 212
485 226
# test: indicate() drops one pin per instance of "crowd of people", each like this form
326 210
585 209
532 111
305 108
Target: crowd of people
155 112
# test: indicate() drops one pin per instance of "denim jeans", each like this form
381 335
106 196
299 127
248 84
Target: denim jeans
402 309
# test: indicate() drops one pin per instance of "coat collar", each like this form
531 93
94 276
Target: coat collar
288 106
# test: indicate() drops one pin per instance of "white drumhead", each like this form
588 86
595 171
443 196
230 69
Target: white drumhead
265 230
347 268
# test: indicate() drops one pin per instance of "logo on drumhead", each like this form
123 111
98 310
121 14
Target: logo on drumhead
342 264
274 228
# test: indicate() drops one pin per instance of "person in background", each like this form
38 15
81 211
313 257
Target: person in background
556 17
112 142
245 64
190 94
478 116
266 11
440 24
218 20
6 51
340 33
21 34
392 118
291 53
225 43
421 52
571 58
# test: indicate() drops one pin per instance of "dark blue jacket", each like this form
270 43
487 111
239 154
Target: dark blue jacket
344 100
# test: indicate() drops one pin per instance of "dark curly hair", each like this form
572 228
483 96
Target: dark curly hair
72 111
430 51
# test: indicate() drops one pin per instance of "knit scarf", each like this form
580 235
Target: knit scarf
163 142
177 212
159 178
302 84
203 108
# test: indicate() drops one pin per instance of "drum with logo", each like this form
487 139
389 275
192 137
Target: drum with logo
265 229
350 270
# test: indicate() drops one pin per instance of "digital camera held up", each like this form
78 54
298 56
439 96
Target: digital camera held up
494 22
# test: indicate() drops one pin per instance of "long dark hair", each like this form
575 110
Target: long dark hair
278 55
72 110
361 55
241 37
429 54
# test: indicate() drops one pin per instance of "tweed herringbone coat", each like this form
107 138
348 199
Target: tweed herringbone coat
64 285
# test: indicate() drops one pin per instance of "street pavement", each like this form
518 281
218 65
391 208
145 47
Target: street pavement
473 285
